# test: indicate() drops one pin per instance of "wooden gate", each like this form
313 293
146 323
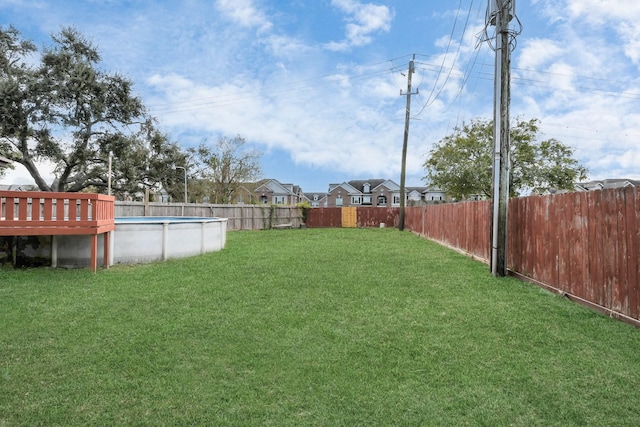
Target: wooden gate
349 217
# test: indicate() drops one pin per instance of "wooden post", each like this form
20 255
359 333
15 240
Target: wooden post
106 248
54 251
94 252
501 166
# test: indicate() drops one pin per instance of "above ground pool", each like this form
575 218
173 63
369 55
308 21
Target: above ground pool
147 239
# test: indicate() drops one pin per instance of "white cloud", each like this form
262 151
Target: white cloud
266 69
621 16
581 80
284 46
536 53
597 11
324 124
630 33
363 20
245 13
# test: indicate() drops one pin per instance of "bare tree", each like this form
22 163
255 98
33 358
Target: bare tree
225 166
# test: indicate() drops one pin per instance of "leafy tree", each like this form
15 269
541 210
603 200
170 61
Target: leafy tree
14 77
63 109
224 167
461 163
5 164
146 159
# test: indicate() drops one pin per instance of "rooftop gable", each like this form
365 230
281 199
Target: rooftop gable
345 186
606 184
360 183
275 187
388 184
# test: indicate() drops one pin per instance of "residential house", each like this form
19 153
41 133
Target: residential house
316 200
424 195
414 195
606 184
371 192
245 193
265 191
271 191
380 192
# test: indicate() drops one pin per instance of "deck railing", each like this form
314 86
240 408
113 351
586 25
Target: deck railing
42 213
35 213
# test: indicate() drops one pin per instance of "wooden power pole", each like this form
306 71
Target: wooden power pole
503 11
403 171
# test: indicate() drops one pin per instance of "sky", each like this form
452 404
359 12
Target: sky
316 84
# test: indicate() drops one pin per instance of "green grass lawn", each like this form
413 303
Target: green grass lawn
321 327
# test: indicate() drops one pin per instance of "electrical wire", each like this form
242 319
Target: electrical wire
220 101
444 58
452 67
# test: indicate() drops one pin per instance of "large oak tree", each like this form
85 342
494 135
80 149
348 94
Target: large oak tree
461 163
57 106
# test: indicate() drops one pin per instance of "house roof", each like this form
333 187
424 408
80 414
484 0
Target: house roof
360 183
350 189
310 195
276 187
388 184
607 183
426 190
356 186
272 186
419 190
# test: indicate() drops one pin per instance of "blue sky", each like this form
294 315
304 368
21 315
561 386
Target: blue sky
315 84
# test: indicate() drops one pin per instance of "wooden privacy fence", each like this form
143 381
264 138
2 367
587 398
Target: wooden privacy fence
585 245
352 217
464 226
240 217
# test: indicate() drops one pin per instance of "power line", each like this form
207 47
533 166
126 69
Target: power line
547 84
224 100
444 58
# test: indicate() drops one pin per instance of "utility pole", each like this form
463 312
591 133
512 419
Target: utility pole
501 13
403 172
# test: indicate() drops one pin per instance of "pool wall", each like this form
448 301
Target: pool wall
147 239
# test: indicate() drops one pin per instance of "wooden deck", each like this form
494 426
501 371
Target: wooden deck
35 213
